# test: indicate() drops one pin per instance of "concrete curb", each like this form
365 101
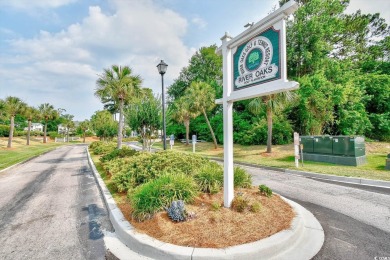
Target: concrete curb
351 180
304 239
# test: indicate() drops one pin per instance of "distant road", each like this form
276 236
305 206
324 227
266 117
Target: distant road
50 208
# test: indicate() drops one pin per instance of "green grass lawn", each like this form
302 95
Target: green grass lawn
21 152
283 157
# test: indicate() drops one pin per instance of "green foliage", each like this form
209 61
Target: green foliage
242 179
119 153
104 125
215 205
205 65
144 116
282 133
140 169
263 189
53 134
210 178
156 194
101 148
4 130
255 207
240 204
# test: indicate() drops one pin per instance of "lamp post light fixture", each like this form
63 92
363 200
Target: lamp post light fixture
162 68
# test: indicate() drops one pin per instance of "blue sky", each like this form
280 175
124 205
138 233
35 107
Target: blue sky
51 51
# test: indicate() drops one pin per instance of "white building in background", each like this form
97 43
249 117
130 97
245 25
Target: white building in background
35 127
62 129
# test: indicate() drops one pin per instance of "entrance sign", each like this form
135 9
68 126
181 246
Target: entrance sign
257 61
254 65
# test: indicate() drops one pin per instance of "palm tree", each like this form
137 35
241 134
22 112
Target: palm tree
84 126
68 123
31 113
47 113
182 113
202 99
2 109
270 104
12 107
118 84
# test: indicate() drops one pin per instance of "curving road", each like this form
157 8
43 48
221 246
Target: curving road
355 219
50 208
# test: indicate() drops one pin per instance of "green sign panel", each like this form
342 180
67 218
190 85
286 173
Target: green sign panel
257 61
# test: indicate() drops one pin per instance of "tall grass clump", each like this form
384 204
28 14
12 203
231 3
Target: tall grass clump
242 179
210 178
155 195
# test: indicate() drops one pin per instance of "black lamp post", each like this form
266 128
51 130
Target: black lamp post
162 68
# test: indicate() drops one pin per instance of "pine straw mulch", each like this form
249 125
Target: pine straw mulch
218 228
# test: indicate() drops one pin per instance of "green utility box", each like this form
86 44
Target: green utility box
323 144
349 146
308 143
345 150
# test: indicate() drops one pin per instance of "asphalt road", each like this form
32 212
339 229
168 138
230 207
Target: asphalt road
51 208
355 219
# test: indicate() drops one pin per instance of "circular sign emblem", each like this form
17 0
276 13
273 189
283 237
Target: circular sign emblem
257 53
255 62
254 59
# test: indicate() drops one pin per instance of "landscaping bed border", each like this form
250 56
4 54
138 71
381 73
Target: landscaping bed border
302 240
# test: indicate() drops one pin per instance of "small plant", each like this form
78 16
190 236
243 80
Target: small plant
255 207
265 190
177 211
242 179
155 195
215 206
239 204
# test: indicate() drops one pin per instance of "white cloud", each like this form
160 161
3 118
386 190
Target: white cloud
377 6
199 22
63 64
28 4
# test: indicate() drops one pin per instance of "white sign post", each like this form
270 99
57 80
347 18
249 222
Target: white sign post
296 149
254 65
193 143
172 141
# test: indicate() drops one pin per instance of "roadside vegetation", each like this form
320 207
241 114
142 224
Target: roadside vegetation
20 152
171 195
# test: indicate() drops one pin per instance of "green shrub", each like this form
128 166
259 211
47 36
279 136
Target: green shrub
242 179
95 144
19 133
131 139
146 166
265 190
101 148
255 207
53 134
151 197
119 153
4 130
210 178
240 203
36 133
